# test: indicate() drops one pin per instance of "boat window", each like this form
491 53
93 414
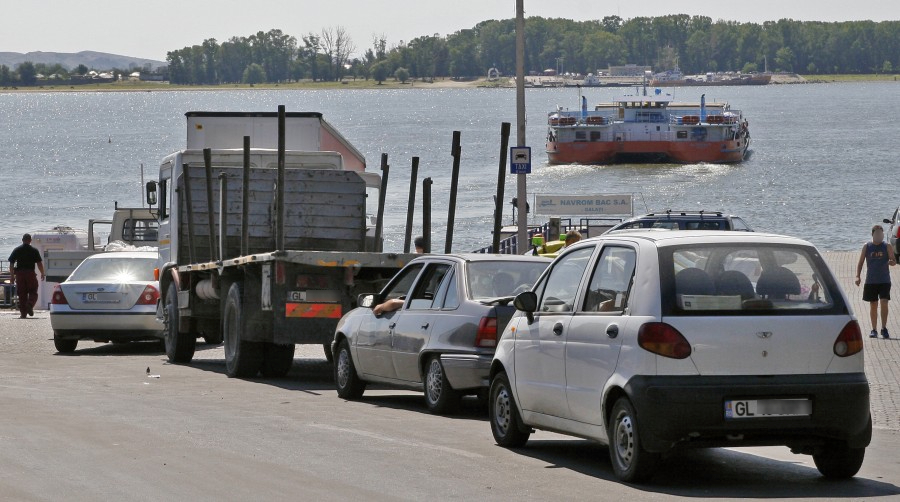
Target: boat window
596 136
580 136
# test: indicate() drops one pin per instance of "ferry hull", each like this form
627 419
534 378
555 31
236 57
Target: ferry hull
685 152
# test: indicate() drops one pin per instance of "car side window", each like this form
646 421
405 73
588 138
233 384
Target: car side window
611 280
399 287
448 297
739 225
562 283
427 287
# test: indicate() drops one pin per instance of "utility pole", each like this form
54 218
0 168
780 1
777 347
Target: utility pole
521 192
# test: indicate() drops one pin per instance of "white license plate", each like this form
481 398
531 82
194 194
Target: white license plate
96 298
756 408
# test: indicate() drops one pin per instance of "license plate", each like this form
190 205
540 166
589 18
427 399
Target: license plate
757 408
96 298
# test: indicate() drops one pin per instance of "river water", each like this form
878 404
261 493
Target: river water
823 164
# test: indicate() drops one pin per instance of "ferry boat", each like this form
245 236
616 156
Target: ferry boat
648 127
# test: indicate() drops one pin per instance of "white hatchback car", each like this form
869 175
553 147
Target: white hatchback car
648 341
109 297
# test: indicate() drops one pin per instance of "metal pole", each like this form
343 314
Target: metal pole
454 185
521 189
411 207
188 202
210 214
223 210
426 214
501 181
245 201
279 194
382 197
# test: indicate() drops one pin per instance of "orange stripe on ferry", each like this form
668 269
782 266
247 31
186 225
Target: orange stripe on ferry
324 310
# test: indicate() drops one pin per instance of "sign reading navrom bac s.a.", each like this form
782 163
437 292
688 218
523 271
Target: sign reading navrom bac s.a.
587 205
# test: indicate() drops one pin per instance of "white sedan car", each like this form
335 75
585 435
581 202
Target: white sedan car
651 341
109 297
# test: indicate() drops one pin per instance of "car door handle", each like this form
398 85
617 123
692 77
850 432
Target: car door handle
612 330
425 326
558 329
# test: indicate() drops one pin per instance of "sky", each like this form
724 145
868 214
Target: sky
150 29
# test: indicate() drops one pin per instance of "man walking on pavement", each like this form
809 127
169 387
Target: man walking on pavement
21 263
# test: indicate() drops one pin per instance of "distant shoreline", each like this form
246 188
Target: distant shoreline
393 85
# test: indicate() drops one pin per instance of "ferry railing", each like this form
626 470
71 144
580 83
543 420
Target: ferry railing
587 227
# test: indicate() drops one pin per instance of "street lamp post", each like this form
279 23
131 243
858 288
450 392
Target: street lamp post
521 191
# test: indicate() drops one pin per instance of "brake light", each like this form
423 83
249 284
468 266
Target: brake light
662 339
149 296
897 232
850 340
156 274
59 298
486 336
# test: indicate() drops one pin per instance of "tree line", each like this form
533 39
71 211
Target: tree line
695 43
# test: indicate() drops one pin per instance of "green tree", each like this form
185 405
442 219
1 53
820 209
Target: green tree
784 59
379 72
81 69
887 67
402 74
5 75
27 73
254 74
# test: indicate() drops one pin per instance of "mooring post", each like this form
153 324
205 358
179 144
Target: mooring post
501 182
426 214
378 245
455 151
411 206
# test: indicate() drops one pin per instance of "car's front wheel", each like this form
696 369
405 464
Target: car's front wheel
506 424
439 395
838 461
64 345
630 461
348 383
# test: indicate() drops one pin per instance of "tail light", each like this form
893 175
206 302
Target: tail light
156 274
149 296
662 339
59 298
850 340
897 232
487 332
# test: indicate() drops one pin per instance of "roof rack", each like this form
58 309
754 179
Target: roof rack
669 213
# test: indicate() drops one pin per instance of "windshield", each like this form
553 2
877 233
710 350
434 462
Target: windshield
493 279
742 278
118 269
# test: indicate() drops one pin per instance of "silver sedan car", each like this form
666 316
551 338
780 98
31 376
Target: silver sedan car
109 297
433 328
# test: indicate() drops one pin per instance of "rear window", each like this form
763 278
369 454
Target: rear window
119 269
746 280
493 279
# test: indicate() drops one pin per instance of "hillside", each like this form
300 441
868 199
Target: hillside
91 59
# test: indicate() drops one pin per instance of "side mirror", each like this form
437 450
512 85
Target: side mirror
151 193
366 300
889 222
526 302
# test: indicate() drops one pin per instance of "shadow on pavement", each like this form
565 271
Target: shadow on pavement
710 473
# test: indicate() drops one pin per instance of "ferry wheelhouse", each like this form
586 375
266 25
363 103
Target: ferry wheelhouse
648 127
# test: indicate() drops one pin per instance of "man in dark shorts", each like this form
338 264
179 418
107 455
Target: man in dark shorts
878 255
22 262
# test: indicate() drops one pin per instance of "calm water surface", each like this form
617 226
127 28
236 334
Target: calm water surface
823 164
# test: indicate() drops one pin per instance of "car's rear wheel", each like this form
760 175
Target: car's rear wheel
179 346
838 461
278 360
439 395
506 424
348 383
64 345
630 461
242 358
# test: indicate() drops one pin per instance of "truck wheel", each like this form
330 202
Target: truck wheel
838 461
506 424
630 461
439 395
278 360
179 346
348 383
64 345
242 358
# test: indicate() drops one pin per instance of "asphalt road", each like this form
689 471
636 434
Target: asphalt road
94 426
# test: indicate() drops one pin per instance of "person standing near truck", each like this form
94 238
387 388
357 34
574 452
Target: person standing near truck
877 256
22 262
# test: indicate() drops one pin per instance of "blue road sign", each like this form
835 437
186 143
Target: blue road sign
520 160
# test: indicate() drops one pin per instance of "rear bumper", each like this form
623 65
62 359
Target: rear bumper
690 410
467 371
89 323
